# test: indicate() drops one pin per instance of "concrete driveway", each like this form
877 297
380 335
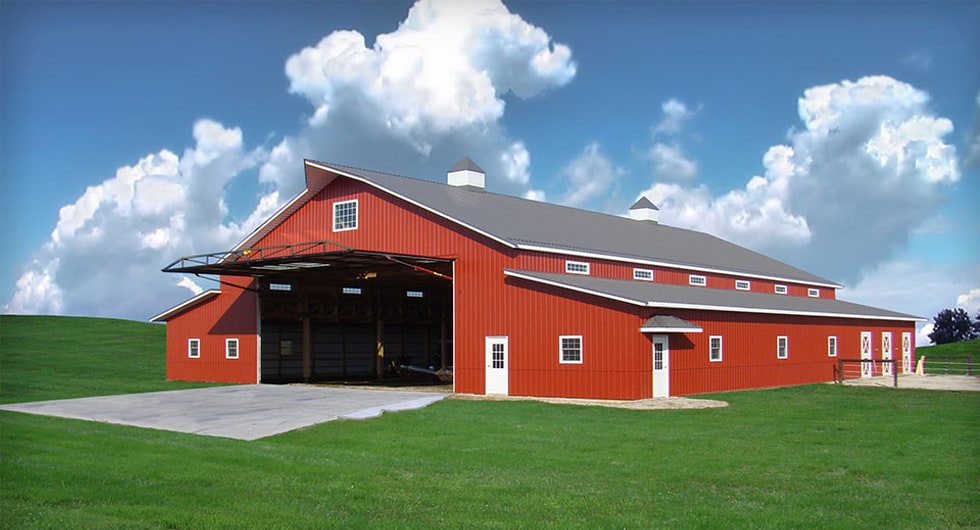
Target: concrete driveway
244 412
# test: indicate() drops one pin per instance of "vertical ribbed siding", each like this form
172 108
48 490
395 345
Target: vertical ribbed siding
230 315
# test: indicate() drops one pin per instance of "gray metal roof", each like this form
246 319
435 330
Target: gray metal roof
649 294
466 164
524 223
643 203
669 323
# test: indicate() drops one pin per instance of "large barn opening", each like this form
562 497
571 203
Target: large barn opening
347 315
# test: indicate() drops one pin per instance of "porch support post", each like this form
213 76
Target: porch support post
307 348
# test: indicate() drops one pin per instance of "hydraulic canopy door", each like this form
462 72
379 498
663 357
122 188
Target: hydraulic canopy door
330 314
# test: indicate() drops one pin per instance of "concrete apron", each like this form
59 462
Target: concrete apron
243 412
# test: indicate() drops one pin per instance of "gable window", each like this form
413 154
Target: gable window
695 279
193 348
782 347
643 274
743 285
570 347
231 348
345 215
813 293
577 267
714 349
781 289
831 346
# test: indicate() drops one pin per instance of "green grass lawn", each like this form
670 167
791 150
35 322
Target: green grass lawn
66 357
936 364
813 456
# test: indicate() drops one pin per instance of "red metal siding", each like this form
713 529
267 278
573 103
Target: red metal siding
749 350
230 315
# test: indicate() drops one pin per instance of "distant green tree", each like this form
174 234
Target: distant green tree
952 325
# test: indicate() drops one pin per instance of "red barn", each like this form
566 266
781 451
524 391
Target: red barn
367 270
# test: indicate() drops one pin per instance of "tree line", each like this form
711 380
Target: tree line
954 325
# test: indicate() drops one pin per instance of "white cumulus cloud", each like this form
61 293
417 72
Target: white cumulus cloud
589 176
866 170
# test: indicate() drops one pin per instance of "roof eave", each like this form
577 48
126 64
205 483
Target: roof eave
185 305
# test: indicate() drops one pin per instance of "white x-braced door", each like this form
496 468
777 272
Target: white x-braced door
906 352
886 352
867 368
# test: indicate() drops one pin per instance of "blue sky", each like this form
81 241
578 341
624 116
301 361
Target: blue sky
843 139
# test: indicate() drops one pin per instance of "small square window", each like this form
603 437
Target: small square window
351 290
345 216
813 293
231 348
577 267
194 348
715 349
781 289
782 347
695 279
831 346
571 349
643 274
743 285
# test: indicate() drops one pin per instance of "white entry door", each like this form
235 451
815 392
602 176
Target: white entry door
886 352
496 365
906 352
661 366
867 369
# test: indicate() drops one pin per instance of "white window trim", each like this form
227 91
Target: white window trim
832 351
785 340
190 352
569 264
746 285
702 279
643 274
228 343
561 350
721 349
356 214
813 293
780 289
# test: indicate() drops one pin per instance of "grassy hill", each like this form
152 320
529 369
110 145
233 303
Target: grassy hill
967 347
44 357
817 456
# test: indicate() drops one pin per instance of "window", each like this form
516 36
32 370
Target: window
571 349
831 346
345 215
193 348
351 290
743 285
643 274
576 267
231 348
414 294
813 293
280 287
285 347
694 279
782 347
781 289
715 349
